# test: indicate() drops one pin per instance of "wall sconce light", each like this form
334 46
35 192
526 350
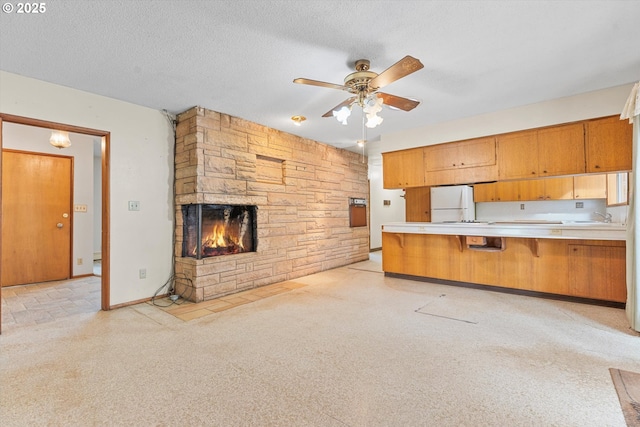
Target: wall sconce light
297 120
60 139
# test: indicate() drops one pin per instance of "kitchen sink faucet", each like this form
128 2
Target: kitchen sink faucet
606 217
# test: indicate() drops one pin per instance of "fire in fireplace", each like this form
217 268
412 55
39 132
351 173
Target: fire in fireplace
214 230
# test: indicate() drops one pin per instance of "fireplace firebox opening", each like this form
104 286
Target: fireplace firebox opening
214 230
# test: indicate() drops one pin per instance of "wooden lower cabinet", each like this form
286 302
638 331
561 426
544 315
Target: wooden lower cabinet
596 271
581 268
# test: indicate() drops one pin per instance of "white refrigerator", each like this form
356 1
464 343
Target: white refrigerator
452 204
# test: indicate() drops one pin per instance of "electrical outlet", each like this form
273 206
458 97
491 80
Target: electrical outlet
521 206
134 205
79 208
143 273
579 204
80 261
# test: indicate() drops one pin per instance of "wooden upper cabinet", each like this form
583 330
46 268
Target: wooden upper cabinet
561 150
518 155
402 169
558 188
553 151
546 189
462 154
484 192
590 186
609 143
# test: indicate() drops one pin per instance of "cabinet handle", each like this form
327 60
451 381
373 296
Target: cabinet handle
461 164
544 171
597 166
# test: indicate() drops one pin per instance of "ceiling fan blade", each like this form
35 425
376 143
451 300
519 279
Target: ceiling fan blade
319 83
344 103
400 69
399 102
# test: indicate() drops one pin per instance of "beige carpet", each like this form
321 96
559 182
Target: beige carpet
347 349
628 388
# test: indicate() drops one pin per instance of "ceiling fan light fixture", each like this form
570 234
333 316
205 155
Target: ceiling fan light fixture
297 120
373 120
361 142
342 114
60 139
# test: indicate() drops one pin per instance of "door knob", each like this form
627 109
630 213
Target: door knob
59 225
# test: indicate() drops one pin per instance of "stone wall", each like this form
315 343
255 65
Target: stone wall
301 187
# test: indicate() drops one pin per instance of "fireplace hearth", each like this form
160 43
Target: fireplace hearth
215 230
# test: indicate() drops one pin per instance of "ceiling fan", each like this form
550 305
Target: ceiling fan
364 85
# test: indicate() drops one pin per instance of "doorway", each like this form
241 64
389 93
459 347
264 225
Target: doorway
104 150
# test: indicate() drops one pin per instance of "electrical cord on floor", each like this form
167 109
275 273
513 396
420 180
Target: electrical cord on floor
170 286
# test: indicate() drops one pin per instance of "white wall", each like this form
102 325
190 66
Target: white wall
97 205
383 214
29 138
141 168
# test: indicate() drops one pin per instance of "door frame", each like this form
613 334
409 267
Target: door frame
106 158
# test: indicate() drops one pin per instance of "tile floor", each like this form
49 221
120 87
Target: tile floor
186 310
44 302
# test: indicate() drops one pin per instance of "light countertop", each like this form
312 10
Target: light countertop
587 230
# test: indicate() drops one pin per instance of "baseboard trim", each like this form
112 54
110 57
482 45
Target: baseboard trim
535 294
140 301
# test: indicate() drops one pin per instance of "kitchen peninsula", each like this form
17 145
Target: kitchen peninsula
576 259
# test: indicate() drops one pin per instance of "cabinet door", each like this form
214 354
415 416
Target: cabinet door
597 272
392 169
484 192
609 143
558 188
507 191
442 157
590 186
401 169
532 189
518 155
561 150
418 204
476 153
413 167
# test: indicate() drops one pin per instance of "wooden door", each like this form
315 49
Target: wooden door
518 155
561 150
36 217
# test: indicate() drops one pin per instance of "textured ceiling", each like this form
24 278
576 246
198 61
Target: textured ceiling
240 57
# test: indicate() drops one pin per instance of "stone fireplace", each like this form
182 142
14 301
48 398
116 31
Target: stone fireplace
289 193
